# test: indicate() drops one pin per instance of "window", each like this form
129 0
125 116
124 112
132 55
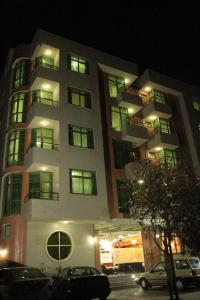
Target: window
199 126
15 148
119 117
21 72
181 264
44 97
78 64
42 138
46 62
41 185
123 196
167 157
59 245
18 106
80 136
122 153
79 97
83 182
162 125
12 195
115 85
157 96
196 103
6 230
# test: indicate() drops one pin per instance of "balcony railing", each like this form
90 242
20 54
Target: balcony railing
45 101
44 195
39 62
45 145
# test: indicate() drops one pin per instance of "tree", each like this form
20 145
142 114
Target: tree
158 198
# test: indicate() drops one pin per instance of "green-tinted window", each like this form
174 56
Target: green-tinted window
162 125
15 148
115 85
123 196
7 230
122 153
83 182
119 117
78 64
21 73
80 136
18 106
59 245
42 138
41 185
12 194
167 157
46 62
79 97
157 96
44 97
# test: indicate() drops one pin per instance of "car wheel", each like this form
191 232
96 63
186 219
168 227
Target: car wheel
144 284
179 285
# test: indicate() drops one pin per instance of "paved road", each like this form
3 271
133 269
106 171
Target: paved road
136 293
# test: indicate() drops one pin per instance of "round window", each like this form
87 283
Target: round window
59 245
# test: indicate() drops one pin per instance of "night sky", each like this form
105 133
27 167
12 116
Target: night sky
162 37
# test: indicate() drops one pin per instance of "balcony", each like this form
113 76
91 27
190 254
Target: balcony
163 140
132 102
43 100
40 157
135 131
153 110
45 62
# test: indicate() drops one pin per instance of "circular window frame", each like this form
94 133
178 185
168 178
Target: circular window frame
72 247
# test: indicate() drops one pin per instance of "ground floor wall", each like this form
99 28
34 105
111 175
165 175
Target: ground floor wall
82 245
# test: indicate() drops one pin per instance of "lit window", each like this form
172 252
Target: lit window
59 245
115 85
46 62
83 182
80 136
21 73
167 157
196 103
44 97
119 117
157 96
162 125
78 64
43 138
15 147
18 106
6 230
12 194
79 97
41 186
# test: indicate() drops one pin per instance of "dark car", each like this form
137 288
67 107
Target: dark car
20 283
81 283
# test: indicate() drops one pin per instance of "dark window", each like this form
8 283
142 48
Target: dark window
123 196
21 73
15 148
59 245
78 64
18 108
79 97
12 194
7 229
123 153
83 182
80 136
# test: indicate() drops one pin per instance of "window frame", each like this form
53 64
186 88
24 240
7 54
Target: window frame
83 178
80 61
15 100
13 141
80 93
120 113
157 96
38 184
20 73
41 138
84 133
116 83
59 245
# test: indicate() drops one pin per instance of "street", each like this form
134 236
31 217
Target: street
151 294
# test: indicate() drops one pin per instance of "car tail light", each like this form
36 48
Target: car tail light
194 273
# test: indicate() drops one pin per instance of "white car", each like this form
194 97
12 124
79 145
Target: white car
185 274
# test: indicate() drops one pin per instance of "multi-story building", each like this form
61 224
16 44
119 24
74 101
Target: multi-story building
72 118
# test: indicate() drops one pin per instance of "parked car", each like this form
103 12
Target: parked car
80 283
157 276
20 283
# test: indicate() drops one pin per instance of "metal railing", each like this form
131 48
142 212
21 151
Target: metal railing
40 63
45 101
44 195
44 145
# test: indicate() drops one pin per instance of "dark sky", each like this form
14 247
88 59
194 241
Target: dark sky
163 37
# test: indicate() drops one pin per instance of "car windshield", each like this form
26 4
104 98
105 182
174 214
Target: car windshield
194 262
18 274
